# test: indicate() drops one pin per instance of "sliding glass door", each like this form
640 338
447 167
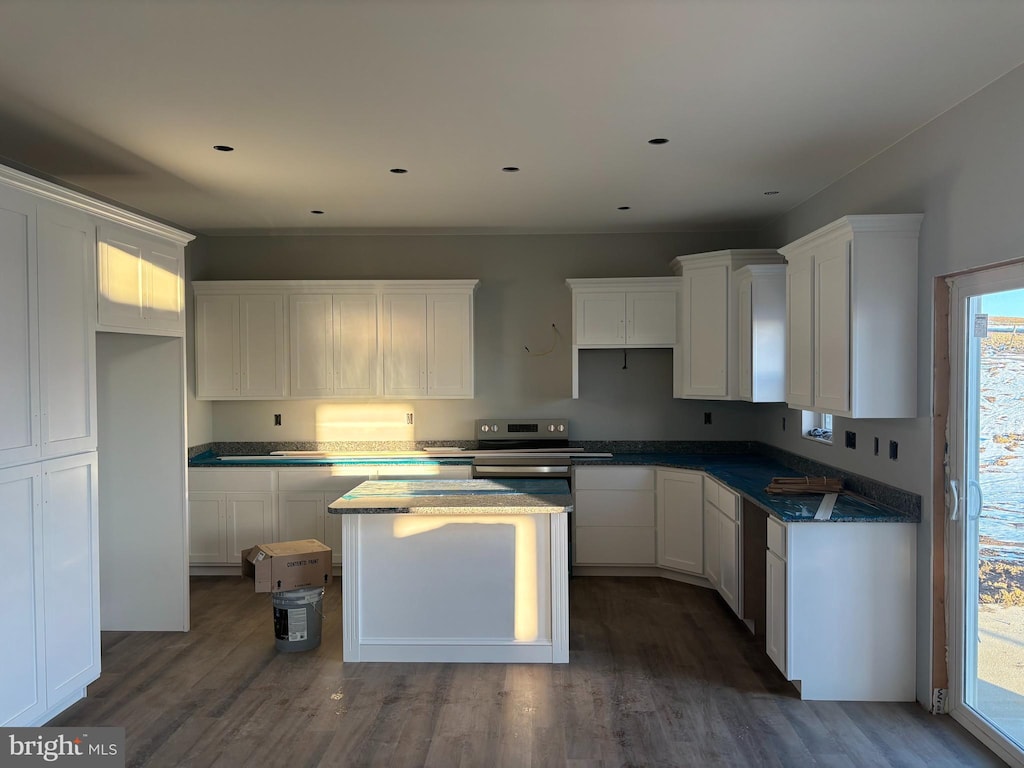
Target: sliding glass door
985 522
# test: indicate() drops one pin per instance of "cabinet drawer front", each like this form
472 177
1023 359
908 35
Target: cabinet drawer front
777 537
240 479
615 478
326 479
615 508
721 498
614 546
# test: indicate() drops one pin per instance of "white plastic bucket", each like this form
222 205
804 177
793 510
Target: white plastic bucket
298 615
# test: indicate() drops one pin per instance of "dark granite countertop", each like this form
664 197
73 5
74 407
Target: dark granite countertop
456 497
750 474
746 473
210 459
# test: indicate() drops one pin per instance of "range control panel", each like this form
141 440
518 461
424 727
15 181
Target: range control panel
522 429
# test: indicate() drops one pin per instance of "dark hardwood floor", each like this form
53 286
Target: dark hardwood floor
660 674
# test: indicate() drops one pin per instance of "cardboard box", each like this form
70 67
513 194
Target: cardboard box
288 565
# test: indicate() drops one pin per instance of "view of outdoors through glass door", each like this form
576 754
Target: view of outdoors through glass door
993 511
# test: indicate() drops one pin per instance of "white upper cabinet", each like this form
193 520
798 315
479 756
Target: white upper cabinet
311 325
141 282
621 312
264 339
449 345
66 245
638 312
851 317
48 313
240 344
19 342
427 345
356 360
707 366
761 329
405 345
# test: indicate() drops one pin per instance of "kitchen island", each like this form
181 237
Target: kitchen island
456 570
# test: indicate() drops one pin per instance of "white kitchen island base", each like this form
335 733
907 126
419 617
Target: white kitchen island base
456 585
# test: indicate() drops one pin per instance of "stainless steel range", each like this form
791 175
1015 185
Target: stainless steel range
523 448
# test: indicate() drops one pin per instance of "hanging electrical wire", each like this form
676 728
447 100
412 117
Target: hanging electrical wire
555 338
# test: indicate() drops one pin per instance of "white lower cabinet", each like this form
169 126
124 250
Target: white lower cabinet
724 542
229 510
50 511
614 516
712 556
304 515
840 608
233 509
680 520
249 520
775 609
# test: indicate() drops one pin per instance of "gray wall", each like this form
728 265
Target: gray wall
522 292
963 171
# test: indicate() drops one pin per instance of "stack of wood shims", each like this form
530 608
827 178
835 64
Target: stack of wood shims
801 485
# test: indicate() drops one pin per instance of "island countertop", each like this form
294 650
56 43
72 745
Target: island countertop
431 496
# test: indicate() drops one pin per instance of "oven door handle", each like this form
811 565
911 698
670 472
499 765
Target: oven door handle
492 469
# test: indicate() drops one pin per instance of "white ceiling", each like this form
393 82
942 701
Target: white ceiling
320 98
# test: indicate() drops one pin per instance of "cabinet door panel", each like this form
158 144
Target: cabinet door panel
249 522
405 345
21 675
302 516
164 286
729 554
705 328
70 575
600 318
614 546
712 555
800 333
775 610
355 345
745 328
633 508
261 349
449 346
651 317
19 341
332 536
120 280
680 521
832 328
217 333
312 345
206 528
67 336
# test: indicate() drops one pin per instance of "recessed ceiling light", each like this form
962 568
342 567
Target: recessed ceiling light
318 213
624 208
223 148
771 192
510 169
657 141
399 170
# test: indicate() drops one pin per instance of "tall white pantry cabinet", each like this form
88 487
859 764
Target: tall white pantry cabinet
49 438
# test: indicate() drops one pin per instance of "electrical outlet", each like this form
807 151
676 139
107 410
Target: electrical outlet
851 439
707 417
277 419
894 450
876 446
783 423
408 418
